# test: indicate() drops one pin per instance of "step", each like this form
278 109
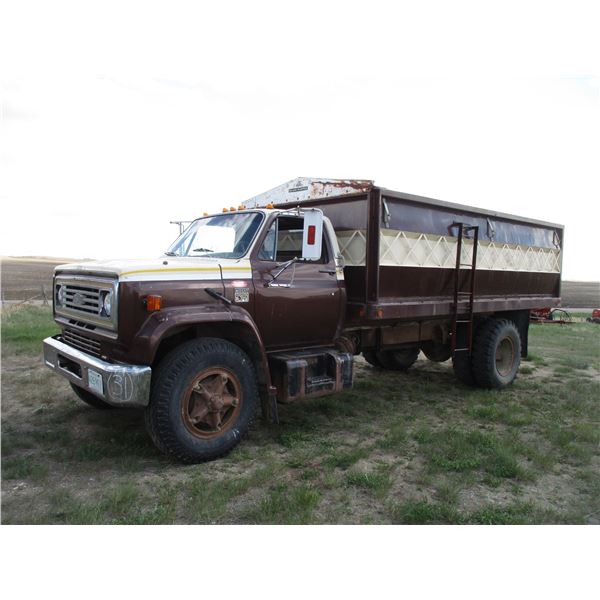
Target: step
308 373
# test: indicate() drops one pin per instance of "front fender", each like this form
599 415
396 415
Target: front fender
170 321
233 323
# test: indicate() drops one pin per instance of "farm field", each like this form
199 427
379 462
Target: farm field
23 277
415 447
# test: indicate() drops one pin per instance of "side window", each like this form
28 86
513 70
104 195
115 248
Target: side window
284 241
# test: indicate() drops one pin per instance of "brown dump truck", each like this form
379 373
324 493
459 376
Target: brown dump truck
270 302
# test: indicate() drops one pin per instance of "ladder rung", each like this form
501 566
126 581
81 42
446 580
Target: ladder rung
464 293
462 349
463 321
466 265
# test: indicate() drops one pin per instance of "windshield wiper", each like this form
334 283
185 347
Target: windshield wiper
202 250
170 254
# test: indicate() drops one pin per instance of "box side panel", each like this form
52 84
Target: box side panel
517 260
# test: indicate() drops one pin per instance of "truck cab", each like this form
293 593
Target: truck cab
242 310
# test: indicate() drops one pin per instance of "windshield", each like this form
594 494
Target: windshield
223 236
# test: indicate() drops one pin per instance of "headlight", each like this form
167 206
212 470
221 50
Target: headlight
61 295
107 303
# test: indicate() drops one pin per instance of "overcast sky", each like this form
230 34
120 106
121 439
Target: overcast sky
119 119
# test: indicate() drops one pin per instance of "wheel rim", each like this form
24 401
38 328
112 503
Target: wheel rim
505 356
212 402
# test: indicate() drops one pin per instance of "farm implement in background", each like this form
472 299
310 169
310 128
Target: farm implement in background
595 318
554 316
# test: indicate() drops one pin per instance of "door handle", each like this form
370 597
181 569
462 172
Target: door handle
330 271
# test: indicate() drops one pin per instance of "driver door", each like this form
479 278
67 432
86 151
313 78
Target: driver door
303 306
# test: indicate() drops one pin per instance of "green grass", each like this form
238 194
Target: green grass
342 459
411 448
422 512
23 467
285 506
460 451
23 330
378 481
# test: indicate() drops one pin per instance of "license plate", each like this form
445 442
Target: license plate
95 381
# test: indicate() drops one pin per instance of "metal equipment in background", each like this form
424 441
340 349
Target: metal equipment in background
554 316
595 318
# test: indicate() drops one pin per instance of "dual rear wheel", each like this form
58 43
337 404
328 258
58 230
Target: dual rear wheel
493 363
495 356
393 360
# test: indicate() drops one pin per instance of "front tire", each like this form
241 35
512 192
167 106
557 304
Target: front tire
203 400
90 399
496 354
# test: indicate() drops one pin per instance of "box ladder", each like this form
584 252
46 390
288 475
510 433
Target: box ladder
462 322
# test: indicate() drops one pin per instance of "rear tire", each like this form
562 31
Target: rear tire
90 399
496 354
436 352
398 360
463 370
203 400
371 357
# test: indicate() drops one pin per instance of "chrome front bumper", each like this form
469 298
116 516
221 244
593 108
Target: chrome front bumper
116 384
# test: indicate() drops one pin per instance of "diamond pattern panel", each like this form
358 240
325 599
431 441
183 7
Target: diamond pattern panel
408 249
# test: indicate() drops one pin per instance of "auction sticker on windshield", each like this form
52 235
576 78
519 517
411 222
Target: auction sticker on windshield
95 381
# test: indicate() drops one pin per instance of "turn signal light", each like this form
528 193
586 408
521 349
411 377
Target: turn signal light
153 303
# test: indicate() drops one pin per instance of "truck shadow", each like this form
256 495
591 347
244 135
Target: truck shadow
377 398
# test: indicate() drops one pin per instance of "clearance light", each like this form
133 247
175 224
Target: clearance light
153 303
225 210
241 207
270 205
205 214
232 208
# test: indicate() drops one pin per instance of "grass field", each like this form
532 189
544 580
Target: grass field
414 447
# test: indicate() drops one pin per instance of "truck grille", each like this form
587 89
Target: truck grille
83 298
81 342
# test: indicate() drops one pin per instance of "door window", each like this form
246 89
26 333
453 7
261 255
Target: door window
284 241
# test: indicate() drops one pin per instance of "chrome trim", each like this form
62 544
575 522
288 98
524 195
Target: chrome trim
101 284
71 324
123 385
81 342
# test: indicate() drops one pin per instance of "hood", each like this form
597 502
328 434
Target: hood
167 268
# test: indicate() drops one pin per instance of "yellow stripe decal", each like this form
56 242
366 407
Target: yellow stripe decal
247 269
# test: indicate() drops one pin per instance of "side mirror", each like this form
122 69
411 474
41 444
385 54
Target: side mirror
312 236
